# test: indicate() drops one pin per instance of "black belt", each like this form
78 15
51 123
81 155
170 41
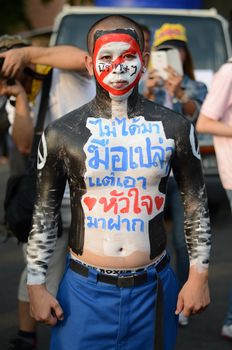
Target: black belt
126 281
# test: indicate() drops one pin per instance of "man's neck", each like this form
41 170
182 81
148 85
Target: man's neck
112 107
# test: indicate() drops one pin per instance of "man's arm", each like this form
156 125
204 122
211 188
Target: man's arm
194 296
214 127
43 235
62 56
216 104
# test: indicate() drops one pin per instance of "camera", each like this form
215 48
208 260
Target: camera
1 62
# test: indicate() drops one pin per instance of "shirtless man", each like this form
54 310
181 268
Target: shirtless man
116 152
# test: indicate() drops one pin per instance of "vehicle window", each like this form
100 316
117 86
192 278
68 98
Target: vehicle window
205 35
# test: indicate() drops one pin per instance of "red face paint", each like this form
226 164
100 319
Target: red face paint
117 62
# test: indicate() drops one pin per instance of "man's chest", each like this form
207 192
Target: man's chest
123 162
125 147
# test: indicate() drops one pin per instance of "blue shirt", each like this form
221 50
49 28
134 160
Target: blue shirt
195 91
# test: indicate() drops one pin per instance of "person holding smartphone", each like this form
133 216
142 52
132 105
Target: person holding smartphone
183 94
180 92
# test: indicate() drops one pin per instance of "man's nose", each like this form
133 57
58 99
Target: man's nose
118 69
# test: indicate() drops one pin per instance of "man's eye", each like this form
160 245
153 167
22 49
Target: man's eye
129 56
105 58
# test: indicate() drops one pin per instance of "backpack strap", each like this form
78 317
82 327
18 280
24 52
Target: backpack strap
41 115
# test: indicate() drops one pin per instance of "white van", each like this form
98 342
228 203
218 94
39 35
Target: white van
208 40
208 34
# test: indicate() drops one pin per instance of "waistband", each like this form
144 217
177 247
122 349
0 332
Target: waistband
121 281
113 271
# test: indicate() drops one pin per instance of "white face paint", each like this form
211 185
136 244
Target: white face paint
41 159
117 64
122 74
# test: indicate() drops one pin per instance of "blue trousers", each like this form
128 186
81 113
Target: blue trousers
100 316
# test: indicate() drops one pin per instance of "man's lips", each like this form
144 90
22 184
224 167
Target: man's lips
119 84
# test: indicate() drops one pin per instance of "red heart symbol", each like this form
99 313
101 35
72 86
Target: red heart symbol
90 202
159 202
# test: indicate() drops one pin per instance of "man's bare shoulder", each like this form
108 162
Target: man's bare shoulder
72 126
73 118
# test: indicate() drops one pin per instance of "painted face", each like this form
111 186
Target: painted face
117 62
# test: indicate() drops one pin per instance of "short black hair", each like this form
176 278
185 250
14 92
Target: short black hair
119 20
145 29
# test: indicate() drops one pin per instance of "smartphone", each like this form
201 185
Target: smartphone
161 59
174 60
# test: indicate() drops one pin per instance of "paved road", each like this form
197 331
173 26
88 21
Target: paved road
203 331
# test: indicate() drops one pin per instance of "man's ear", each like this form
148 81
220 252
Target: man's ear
146 56
89 64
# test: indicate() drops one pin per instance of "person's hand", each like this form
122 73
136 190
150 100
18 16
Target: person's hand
194 296
173 82
153 80
43 306
11 90
14 62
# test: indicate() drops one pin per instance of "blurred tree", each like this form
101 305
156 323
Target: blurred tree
13 16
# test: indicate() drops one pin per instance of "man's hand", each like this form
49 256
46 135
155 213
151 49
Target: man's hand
44 307
194 296
14 61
